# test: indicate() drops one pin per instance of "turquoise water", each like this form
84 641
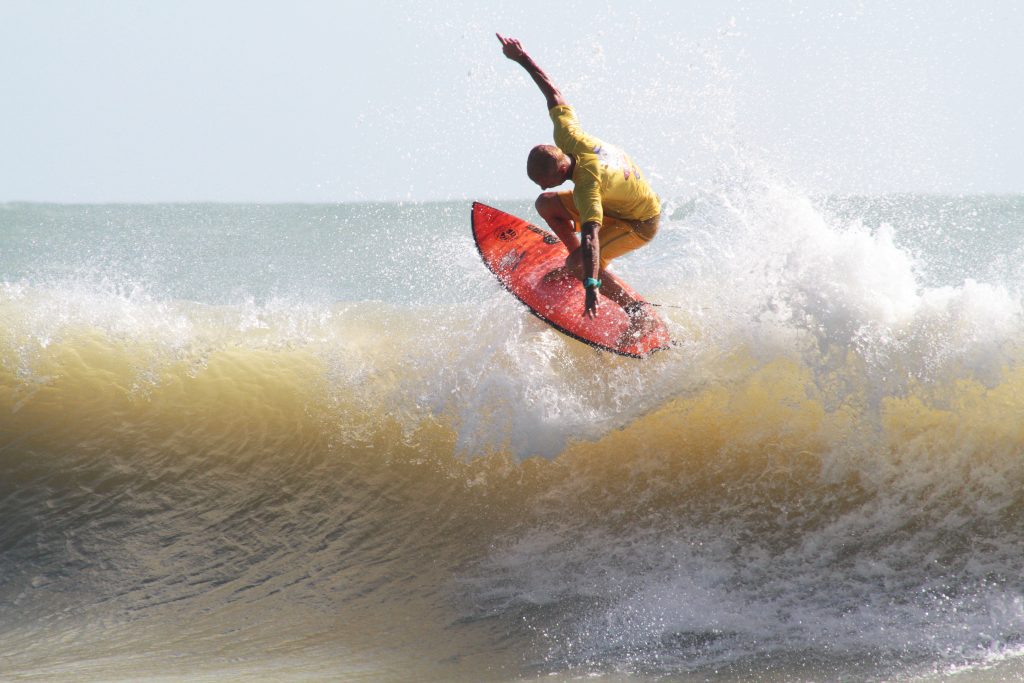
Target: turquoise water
305 442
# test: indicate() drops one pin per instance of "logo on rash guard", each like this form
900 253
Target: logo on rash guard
615 158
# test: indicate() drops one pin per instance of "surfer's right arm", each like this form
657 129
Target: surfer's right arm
514 51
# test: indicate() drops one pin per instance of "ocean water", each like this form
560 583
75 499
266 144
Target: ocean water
320 442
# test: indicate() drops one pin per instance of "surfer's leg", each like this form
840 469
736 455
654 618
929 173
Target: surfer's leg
560 216
620 237
611 289
617 238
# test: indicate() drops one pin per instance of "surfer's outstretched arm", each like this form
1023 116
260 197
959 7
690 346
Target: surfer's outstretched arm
514 51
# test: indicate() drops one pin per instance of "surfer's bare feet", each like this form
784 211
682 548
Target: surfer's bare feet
560 273
640 321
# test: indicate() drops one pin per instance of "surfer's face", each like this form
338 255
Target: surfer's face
555 176
547 180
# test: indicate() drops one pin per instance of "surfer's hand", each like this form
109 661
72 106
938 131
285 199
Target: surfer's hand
590 304
511 48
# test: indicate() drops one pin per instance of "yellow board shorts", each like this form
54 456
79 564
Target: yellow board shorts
618 236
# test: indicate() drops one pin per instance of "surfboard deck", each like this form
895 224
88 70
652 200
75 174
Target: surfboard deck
520 255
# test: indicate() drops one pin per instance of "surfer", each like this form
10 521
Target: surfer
609 198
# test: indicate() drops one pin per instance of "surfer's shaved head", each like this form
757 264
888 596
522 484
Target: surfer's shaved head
548 166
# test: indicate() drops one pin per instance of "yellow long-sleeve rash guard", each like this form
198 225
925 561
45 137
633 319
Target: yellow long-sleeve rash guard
606 180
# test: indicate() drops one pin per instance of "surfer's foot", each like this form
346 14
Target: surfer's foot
560 273
641 321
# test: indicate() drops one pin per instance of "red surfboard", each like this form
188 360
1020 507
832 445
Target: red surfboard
520 254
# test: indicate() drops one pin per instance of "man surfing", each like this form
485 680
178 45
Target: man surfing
609 198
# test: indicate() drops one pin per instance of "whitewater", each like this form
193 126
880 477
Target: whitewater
321 442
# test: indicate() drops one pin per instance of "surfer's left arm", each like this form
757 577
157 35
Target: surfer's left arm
590 251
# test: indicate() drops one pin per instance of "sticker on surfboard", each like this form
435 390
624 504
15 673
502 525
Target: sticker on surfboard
520 255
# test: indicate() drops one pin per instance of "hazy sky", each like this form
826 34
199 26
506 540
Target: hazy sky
337 101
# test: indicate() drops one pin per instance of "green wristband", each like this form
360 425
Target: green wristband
591 282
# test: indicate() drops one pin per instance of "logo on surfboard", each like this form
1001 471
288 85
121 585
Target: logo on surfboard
548 237
510 261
